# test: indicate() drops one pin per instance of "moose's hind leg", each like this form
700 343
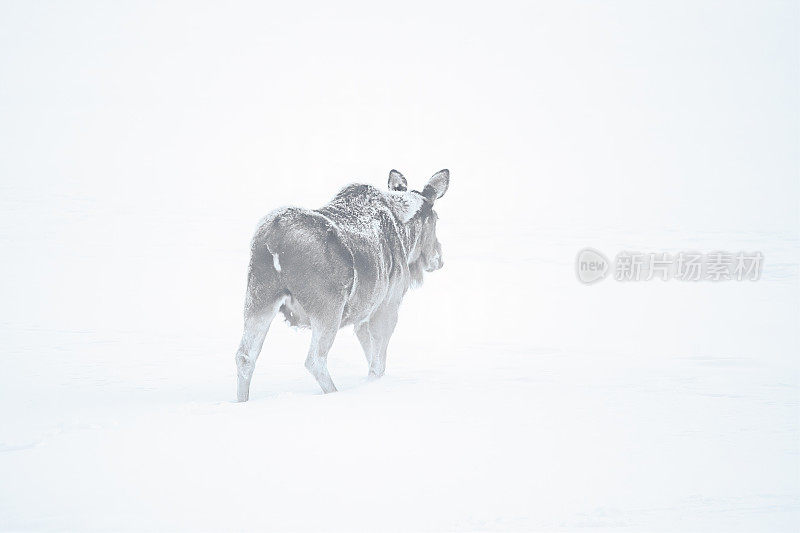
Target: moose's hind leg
381 326
365 338
324 327
256 326
317 360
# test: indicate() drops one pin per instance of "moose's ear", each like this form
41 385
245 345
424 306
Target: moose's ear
437 185
397 182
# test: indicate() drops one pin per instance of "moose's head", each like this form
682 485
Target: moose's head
417 213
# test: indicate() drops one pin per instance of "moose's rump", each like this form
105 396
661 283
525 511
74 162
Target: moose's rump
297 253
318 267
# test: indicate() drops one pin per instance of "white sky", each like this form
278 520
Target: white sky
135 137
614 112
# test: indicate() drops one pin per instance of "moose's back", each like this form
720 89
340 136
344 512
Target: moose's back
370 231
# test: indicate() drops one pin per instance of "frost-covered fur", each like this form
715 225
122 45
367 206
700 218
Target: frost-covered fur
405 204
347 263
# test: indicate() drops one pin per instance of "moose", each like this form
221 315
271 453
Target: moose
347 263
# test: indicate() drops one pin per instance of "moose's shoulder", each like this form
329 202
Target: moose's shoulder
359 190
358 199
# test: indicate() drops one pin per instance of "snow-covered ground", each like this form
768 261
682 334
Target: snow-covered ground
140 144
650 406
